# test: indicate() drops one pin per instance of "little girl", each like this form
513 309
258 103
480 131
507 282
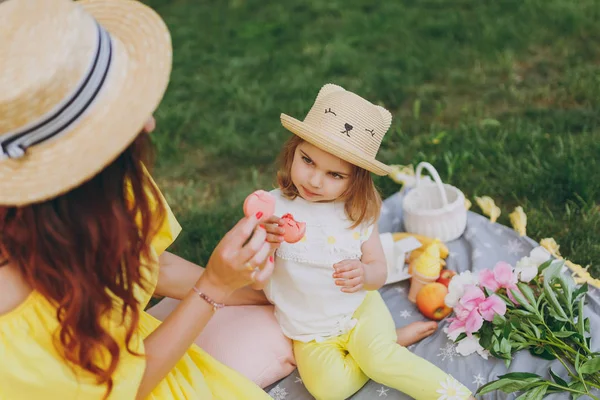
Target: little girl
324 287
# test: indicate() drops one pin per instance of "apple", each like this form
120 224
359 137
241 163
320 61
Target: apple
259 200
430 301
294 230
446 276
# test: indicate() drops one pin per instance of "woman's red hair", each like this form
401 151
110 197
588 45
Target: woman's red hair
84 248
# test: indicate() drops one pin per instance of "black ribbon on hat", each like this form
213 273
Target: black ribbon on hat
15 143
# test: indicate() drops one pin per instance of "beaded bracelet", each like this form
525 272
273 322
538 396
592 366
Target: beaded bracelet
210 301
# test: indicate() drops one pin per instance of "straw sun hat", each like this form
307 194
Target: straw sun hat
345 125
78 80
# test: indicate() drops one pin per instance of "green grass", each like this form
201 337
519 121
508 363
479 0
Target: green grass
510 89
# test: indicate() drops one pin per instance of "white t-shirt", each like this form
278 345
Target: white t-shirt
308 304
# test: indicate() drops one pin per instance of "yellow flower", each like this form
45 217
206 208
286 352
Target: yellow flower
356 235
518 219
303 239
468 204
488 207
551 245
581 274
331 240
399 170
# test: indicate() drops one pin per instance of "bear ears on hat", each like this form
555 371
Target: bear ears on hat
329 88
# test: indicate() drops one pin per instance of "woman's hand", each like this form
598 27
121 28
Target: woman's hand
350 275
242 257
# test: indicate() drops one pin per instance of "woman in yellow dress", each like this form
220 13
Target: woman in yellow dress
83 228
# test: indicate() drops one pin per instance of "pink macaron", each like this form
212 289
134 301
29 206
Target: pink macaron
259 201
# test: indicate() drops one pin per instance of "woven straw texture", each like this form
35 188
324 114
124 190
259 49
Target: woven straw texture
345 125
44 53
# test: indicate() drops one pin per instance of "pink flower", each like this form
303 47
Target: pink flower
491 306
468 317
501 277
472 298
473 322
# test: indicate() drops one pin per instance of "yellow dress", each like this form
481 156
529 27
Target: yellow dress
31 368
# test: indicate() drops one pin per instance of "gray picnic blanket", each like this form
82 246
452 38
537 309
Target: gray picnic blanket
481 246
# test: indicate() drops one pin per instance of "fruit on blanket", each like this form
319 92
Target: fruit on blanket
294 230
259 201
430 301
425 240
446 276
429 262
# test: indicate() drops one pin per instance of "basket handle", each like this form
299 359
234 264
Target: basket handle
436 177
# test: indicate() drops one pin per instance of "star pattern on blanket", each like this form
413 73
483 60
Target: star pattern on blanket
470 234
448 351
405 314
400 289
383 392
278 393
514 247
478 380
476 254
298 380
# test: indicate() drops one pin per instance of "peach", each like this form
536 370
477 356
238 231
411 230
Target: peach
430 301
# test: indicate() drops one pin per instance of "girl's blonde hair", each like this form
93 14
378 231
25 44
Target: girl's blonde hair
362 200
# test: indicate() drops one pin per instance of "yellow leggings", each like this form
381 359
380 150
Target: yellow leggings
338 367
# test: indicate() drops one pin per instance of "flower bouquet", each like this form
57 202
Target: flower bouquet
533 306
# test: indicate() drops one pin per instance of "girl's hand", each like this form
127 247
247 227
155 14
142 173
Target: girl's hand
275 231
350 275
233 264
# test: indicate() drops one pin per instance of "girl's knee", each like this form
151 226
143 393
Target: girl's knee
323 388
334 382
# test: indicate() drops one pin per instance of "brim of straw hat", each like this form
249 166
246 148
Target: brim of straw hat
334 146
53 168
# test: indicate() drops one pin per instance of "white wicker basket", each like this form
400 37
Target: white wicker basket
435 210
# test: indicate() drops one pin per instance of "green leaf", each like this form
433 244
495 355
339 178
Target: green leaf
545 265
521 313
505 347
541 298
551 295
564 334
553 270
590 366
577 386
535 393
542 352
461 337
508 384
498 319
558 379
515 336
568 284
528 331
536 330
527 292
581 290
523 301
581 318
520 375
